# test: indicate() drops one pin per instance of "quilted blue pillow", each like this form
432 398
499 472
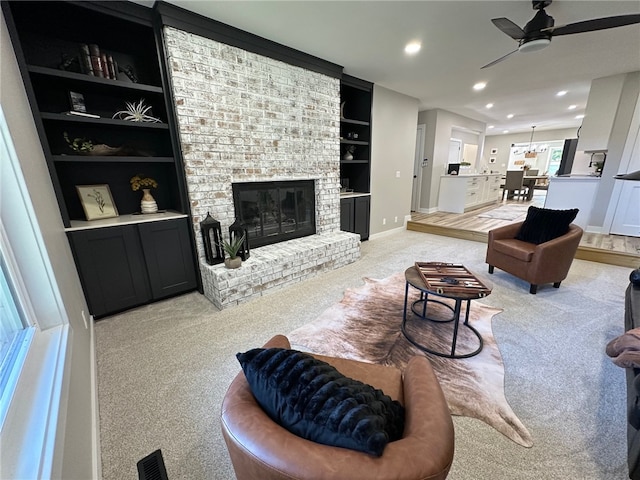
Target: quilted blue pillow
311 399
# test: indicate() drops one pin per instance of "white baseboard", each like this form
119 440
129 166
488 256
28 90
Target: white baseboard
388 232
95 406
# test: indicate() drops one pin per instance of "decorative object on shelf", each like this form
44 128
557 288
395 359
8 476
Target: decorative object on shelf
97 201
136 112
126 74
212 240
238 230
233 247
352 136
83 146
77 102
148 203
348 154
342 109
79 145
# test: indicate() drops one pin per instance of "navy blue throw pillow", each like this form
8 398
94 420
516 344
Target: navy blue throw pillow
311 399
544 224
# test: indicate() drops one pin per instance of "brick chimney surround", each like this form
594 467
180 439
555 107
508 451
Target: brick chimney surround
243 117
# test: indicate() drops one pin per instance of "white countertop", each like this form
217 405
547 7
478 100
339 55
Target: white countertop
575 177
123 220
354 194
473 175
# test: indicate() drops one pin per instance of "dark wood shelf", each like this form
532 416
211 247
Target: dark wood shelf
62 117
354 122
353 161
111 159
89 79
352 142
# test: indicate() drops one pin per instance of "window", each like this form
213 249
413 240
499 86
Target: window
15 335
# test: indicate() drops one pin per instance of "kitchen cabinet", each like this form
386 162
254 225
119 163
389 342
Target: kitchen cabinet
460 193
573 191
626 220
354 215
128 265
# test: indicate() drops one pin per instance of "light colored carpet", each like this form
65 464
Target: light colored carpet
511 211
366 325
164 368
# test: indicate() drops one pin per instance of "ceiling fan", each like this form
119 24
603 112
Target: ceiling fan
537 34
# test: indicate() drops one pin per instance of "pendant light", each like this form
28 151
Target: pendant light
531 153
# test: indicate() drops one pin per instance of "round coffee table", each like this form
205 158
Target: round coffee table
456 287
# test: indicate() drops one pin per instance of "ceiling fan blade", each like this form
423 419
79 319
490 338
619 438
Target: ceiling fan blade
508 27
499 60
595 24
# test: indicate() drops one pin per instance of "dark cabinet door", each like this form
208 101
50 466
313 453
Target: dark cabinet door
361 217
168 255
346 214
112 269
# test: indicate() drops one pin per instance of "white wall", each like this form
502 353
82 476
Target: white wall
502 143
393 132
73 455
441 126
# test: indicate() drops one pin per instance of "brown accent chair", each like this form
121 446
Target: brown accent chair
262 449
547 262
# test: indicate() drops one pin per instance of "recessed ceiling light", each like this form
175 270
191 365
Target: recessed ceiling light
572 107
505 131
561 93
480 85
491 126
578 117
412 48
510 115
489 105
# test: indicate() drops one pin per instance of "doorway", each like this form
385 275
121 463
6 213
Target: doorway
419 163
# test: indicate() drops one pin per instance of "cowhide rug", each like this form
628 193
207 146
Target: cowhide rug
365 326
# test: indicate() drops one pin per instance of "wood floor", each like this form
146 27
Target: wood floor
611 249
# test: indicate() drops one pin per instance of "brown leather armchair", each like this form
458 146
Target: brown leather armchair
262 449
547 262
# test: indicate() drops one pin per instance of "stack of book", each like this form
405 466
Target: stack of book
97 63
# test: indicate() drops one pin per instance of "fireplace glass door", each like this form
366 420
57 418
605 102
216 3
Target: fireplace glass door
275 211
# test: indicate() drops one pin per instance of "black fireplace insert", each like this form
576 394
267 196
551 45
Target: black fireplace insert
275 211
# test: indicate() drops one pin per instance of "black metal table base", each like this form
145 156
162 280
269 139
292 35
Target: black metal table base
456 310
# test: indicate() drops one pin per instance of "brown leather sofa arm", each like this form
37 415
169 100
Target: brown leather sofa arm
558 253
508 231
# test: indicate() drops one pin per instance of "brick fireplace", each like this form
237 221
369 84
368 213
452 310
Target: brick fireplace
244 117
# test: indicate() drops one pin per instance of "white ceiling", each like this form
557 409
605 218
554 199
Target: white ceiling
368 37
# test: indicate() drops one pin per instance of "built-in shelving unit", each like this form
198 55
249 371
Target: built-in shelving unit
355 151
48 37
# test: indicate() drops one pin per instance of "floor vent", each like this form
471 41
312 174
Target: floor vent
151 467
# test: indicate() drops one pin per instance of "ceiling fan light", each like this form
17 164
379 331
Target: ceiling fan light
534 45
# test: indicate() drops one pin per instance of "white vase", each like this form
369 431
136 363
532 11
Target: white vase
148 203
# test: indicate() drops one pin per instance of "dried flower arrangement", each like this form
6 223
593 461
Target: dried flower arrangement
142 181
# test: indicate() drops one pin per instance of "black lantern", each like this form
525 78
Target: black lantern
237 230
212 239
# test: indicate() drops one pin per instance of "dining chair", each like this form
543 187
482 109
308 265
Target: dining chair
513 183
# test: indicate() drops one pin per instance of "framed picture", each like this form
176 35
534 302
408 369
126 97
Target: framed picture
494 151
77 102
492 159
97 201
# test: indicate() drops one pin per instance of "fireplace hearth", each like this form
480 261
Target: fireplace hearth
275 211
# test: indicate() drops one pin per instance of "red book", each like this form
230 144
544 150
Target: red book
96 61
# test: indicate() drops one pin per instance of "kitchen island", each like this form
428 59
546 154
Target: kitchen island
460 193
573 191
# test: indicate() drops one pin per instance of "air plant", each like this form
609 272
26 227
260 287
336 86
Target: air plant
136 112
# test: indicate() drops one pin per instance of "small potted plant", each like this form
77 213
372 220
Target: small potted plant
231 248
